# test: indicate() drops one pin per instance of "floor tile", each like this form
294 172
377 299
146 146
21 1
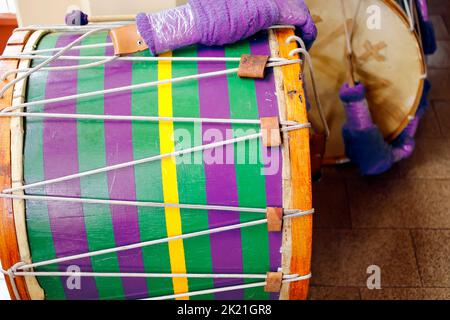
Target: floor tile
331 204
440 28
429 126
400 203
442 109
438 6
406 294
430 160
334 293
433 255
341 257
440 79
441 58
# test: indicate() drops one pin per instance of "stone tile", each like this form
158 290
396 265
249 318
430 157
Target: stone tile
341 171
433 256
438 7
341 257
440 78
406 294
429 126
429 161
442 109
400 203
334 293
331 204
446 18
441 58
440 27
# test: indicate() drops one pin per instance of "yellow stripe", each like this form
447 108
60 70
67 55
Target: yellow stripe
169 178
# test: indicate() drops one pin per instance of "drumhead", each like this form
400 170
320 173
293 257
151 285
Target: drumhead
388 61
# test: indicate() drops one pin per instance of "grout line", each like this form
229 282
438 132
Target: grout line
432 108
384 287
416 258
349 206
383 228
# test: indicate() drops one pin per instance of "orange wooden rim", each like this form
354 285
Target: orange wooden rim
9 249
300 169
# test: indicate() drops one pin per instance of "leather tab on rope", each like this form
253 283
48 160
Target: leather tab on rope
274 282
270 129
253 66
274 219
127 40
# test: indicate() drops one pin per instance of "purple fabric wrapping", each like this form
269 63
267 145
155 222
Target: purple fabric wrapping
364 144
77 18
169 29
356 108
296 12
423 8
212 22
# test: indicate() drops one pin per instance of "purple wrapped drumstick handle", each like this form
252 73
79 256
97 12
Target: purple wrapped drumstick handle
219 22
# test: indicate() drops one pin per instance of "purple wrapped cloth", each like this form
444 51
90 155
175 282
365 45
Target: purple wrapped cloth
364 143
213 22
428 34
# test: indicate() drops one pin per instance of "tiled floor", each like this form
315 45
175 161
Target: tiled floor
399 221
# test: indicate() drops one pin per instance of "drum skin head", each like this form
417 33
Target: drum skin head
388 61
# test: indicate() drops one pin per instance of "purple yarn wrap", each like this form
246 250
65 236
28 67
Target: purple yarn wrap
296 12
213 22
77 18
356 108
364 142
422 5
169 29
222 22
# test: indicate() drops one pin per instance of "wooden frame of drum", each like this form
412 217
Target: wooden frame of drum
297 233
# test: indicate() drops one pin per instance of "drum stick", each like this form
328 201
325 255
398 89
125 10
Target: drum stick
79 18
348 29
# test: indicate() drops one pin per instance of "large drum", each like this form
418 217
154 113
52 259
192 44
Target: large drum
119 183
388 60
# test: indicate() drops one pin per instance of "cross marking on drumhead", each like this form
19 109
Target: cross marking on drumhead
373 51
317 19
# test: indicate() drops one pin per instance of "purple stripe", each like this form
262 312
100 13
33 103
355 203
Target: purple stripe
60 159
121 183
268 107
221 186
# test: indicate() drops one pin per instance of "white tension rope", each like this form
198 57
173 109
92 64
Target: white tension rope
137 86
158 241
227 289
138 203
107 59
152 159
48 61
136 118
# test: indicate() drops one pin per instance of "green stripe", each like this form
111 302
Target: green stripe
38 223
92 155
191 173
250 181
148 178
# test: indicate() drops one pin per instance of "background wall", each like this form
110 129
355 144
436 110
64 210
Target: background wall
52 12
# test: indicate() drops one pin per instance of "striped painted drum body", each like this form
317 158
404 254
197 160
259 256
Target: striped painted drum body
245 174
